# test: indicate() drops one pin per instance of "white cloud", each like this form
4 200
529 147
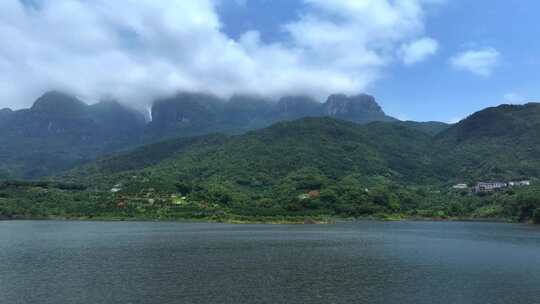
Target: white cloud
418 50
513 97
480 62
136 50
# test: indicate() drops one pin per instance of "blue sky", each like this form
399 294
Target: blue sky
422 59
433 90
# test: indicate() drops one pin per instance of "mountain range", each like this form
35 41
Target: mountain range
201 156
59 131
188 114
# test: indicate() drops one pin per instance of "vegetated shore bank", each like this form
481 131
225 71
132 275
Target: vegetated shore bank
267 220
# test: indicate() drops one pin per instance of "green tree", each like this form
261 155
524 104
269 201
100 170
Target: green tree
536 216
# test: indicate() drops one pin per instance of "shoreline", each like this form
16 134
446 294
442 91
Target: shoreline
276 221
263 221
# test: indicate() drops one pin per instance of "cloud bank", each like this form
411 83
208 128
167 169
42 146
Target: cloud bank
137 50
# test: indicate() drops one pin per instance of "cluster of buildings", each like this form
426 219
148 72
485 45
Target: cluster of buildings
487 187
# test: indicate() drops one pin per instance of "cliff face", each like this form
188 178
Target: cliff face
59 130
295 107
189 114
360 108
185 114
5 114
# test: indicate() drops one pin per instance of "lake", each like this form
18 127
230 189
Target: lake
359 262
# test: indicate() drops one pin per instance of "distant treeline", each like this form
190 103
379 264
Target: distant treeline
41 184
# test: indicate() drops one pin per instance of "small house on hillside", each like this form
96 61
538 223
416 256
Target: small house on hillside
116 188
489 187
524 183
460 186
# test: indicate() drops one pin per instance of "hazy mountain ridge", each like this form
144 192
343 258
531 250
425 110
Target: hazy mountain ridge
189 114
360 108
59 130
4 114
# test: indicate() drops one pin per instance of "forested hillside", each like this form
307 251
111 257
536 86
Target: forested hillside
317 166
60 131
501 143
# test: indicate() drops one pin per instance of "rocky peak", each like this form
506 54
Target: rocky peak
294 107
360 108
184 105
297 101
58 103
108 104
342 104
186 114
244 108
247 103
5 112
110 114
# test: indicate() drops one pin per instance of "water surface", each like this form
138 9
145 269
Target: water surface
366 262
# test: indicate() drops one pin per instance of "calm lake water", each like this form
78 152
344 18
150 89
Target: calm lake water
364 262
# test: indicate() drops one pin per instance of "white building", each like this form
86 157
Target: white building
524 183
489 187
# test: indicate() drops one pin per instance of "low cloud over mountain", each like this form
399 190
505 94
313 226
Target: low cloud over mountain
139 50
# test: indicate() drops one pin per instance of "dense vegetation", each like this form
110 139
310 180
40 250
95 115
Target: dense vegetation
312 167
343 199
501 143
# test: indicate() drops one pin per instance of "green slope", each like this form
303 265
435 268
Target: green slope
335 148
496 143
430 127
338 164
323 166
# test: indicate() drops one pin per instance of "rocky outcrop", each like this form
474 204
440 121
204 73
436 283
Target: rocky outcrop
295 107
359 108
